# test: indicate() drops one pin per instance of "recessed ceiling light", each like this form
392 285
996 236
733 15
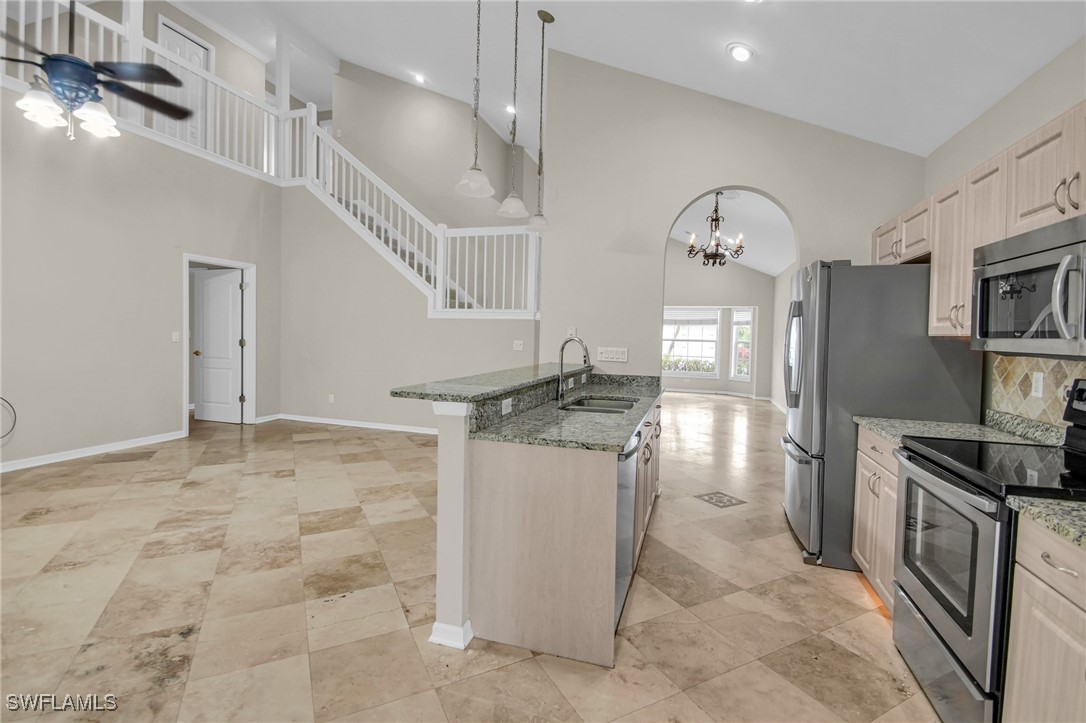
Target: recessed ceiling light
510 109
419 78
754 1
740 52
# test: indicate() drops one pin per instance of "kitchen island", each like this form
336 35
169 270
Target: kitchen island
541 509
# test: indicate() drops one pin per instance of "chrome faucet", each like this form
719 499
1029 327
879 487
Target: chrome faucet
561 362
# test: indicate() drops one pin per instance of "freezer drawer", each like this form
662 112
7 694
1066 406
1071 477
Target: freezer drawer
803 496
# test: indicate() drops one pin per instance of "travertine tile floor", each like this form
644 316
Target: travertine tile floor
286 572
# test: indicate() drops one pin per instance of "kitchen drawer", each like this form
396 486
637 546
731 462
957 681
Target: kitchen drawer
1036 545
878 448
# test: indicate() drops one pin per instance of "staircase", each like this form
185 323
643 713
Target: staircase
472 273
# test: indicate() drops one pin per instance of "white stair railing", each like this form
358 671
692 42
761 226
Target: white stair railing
490 272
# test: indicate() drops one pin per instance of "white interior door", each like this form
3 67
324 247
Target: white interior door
190 94
216 335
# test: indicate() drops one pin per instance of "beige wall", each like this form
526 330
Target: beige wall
355 328
420 143
93 233
688 283
1050 91
233 64
626 153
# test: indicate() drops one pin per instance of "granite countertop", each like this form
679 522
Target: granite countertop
894 429
478 387
1067 518
549 426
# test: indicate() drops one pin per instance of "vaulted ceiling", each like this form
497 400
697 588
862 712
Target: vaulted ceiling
908 75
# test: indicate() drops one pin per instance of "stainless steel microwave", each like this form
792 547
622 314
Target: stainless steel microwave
1028 292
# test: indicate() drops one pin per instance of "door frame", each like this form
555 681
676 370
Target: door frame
248 325
175 26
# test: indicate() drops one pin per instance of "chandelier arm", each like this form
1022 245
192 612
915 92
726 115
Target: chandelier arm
475 105
539 168
513 126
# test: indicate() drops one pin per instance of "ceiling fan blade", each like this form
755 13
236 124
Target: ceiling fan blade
138 72
158 105
23 44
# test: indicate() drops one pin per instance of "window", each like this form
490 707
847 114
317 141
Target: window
690 341
742 342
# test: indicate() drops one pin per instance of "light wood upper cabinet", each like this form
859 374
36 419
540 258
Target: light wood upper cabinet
1046 656
884 243
1076 184
915 231
948 256
986 203
1039 168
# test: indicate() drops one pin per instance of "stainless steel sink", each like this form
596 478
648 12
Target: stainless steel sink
600 406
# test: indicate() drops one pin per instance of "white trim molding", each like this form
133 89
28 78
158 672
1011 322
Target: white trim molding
452 636
16 464
230 36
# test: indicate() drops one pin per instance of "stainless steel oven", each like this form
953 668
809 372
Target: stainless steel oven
950 565
1028 292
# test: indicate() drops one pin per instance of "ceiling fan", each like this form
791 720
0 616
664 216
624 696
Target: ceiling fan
75 83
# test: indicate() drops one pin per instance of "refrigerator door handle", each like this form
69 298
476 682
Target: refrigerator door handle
788 447
793 372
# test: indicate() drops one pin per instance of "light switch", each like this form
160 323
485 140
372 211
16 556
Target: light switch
571 331
175 336
518 345
1038 384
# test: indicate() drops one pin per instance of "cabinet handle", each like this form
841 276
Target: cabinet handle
871 478
658 430
1073 202
1048 561
953 320
876 449
647 456
875 489
1056 196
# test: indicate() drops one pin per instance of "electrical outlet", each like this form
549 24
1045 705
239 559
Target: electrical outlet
518 345
571 331
1038 384
175 336
584 379
1031 476
611 354
569 383
507 406
331 398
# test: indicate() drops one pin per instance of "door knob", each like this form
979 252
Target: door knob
196 353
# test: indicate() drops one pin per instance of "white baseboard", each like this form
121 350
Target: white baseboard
192 407
780 408
452 636
15 464
718 392
348 423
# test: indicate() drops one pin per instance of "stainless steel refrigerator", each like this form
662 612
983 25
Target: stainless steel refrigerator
856 343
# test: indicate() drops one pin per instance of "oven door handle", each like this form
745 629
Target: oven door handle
984 504
967 680
1062 272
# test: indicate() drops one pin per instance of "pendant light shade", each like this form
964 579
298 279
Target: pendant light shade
512 206
38 101
538 222
474 183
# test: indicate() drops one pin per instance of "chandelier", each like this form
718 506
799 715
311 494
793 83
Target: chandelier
715 252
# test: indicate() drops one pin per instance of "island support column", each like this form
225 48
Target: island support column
452 626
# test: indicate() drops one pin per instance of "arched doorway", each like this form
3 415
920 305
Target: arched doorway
717 334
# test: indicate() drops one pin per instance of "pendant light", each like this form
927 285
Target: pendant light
512 206
474 182
538 222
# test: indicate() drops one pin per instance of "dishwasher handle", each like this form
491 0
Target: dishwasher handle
632 449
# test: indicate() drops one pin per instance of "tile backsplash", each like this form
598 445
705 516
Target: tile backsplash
1008 383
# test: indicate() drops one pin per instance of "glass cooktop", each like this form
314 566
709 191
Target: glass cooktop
1031 470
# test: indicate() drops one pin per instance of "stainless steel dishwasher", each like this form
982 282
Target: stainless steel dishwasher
624 523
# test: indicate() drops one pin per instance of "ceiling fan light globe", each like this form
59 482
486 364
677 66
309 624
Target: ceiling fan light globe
101 130
513 207
39 102
95 112
538 223
46 120
475 184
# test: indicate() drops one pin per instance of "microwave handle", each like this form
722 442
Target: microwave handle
1065 330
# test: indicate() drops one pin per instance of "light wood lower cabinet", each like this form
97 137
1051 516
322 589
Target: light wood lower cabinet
1046 656
874 518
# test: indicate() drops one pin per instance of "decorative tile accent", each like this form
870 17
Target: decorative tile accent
720 499
1008 384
